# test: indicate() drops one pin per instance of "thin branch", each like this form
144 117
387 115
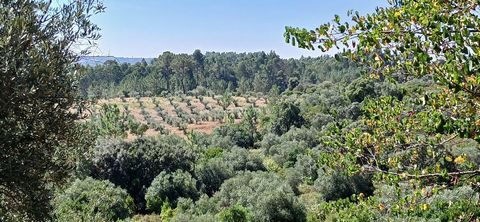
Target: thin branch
407 175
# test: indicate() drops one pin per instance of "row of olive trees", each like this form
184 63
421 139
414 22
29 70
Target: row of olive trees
182 118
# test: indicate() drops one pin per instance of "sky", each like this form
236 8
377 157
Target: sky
146 28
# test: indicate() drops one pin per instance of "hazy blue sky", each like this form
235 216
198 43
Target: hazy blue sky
146 28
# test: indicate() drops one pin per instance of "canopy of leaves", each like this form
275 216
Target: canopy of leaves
220 73
38 92
412 38
409 137
92 200
134 165
168 187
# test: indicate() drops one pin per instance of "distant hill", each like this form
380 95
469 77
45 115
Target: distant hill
97 60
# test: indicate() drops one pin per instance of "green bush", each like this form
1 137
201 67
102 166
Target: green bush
347 210
134 165
360 89
338 185
236 213
307 167
211 173
236 133
264 194
250 196
286 152
168 187
92 200
306 135
145 218
243 160
458 204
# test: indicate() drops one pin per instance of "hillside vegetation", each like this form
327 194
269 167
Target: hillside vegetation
387 130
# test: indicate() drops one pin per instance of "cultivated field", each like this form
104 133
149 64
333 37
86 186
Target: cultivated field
182 114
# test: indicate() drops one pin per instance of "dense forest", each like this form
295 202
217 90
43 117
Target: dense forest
386 130
217 72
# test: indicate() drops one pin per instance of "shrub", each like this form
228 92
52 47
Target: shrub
243 160
306 135
360 89
134 165
455 204
286 153
203 206
320 120
212 173
346 210
220 142
338 185
294 178
237 133
461 203
307 168
92 200
213 152
236 213
271 165
145 218
264 194
168 187
269 140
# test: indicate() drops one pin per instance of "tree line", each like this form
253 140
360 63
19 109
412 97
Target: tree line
216 72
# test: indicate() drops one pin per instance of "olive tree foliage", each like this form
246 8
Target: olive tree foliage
337 185
407 137
168 187
240 135
211 173
264 194
134 165
249 196
39 42
92 200
235 213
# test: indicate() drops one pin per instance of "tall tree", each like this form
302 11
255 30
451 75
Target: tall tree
38 92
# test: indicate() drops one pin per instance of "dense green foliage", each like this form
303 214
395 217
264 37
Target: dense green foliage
168 187
214 72
111 122
410 137
134 165
37 93
235 213
93 200
398 144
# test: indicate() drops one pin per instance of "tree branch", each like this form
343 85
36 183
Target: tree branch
407 175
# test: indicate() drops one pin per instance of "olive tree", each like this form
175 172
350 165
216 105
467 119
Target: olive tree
92 200
134 165
37 96
168 187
